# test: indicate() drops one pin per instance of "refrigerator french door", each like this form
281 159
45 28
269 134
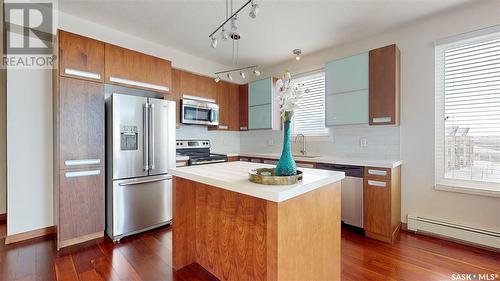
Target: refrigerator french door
141 146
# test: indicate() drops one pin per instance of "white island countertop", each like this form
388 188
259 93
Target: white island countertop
233 176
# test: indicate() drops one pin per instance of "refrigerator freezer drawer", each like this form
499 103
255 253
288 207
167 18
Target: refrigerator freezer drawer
140 204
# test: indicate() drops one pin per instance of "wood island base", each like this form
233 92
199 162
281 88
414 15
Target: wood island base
240 237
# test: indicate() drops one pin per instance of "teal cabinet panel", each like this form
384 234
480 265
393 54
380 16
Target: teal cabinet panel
260 117
347 74
346 108
260 92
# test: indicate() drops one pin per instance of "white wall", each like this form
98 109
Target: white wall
29 125
416 41
221 141
3 126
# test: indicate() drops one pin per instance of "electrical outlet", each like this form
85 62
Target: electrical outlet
363 142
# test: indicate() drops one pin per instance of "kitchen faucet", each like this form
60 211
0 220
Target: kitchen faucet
303 151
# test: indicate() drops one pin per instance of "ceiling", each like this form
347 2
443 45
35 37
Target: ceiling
281 26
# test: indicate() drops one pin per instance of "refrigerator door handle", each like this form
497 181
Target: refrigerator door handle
152 135
145 113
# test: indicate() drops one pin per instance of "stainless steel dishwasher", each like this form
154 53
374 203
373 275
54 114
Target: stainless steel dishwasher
352 192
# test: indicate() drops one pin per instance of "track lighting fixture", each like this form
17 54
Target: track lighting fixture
230 77
214 42
256 72
217 79
242 74
243 71
254 11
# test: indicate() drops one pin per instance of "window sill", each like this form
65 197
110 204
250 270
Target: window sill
482 191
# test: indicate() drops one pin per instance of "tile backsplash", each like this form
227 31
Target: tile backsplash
381 142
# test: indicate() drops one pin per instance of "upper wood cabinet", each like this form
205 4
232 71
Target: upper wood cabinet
197 85
228 99
80 57
175 95
243 93
137 70
384 86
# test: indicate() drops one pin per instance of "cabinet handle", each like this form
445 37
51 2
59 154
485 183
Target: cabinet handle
270 162
377 172
243 128
82 73
386 119
82 174
376 183
223 127
138 84
144 181
79 162
304 165
244 159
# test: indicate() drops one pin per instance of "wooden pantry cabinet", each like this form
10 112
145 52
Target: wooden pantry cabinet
382 203
133 69
384 89
78 106
80 57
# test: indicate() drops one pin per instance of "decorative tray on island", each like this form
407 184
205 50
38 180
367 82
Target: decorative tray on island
268 176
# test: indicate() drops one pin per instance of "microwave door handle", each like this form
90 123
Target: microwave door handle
145 154
152 136
212 115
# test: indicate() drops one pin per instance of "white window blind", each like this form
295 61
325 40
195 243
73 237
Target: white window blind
468 112
309 118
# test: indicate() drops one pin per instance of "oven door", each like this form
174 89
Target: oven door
199 113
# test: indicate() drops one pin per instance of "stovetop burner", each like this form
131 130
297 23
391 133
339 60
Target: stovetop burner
198 152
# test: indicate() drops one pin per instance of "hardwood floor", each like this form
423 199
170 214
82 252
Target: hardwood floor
148 257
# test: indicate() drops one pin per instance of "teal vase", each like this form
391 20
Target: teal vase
286 165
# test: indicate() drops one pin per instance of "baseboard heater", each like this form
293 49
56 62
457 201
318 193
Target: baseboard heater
468 234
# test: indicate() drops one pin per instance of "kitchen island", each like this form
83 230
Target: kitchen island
238 230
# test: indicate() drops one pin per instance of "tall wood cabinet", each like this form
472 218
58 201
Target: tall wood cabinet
228 100
79 140
243 93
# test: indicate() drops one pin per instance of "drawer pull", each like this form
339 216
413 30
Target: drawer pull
81 73
382 119
376 183
255 160
270 162
304 165
82 174
138 84
79 162
223 127
377 172
244 159
243 128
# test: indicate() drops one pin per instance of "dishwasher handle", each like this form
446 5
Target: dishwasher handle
350 171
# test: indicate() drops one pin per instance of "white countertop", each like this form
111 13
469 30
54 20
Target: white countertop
355 161
233 176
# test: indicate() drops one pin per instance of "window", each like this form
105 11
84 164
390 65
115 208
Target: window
309 117
468 112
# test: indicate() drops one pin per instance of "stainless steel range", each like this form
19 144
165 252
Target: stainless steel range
198 152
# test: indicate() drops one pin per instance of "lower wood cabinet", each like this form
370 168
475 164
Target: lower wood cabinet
382 203
80 205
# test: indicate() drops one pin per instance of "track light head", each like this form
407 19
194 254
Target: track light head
230 77
256 72
234 25
214 42
254 12
224 35
242 74
217 79
297 53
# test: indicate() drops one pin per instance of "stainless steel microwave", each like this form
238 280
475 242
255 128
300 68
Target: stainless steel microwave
199 111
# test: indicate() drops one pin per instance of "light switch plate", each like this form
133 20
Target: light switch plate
363 142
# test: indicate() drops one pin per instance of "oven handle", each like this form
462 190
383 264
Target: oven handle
208 162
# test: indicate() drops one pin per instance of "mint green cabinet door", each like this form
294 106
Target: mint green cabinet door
260 117
347 74
260 92
346 108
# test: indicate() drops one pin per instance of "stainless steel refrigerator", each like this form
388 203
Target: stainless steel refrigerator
140 150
